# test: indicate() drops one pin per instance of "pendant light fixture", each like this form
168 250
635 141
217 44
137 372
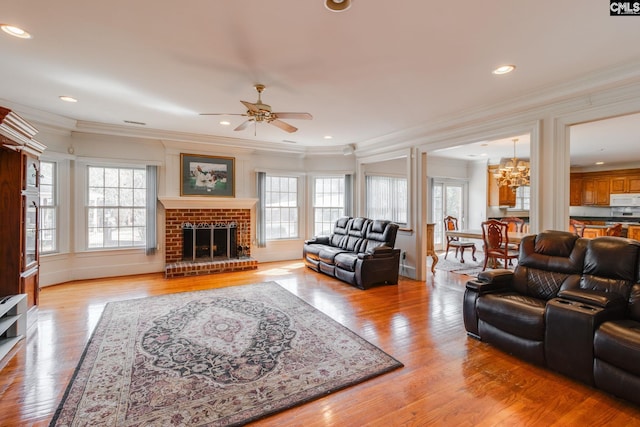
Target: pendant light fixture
513 173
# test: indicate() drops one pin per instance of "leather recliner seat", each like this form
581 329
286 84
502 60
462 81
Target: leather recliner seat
571 304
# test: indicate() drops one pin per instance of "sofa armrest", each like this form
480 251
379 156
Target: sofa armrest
377 252
481 287
491 281
595 298
323 240
498 276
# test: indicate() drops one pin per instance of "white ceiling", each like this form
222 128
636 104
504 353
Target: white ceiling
377 69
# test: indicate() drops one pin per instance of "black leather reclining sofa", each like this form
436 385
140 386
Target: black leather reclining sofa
360 251
571 304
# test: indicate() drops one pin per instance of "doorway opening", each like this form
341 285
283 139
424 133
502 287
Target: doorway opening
449 198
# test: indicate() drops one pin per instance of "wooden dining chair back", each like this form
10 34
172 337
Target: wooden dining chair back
577 227
514 223
495 237
451 224
614 230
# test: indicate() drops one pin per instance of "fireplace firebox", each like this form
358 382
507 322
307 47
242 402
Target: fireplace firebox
209 242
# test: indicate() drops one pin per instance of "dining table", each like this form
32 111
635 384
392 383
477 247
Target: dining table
514 237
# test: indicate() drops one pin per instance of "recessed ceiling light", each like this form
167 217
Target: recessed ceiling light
337 5
599 163
15 31
504 69
225 123
328 137
68 98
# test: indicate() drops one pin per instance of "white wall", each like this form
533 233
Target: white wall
73 151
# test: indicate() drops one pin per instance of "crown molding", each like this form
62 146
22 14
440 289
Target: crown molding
608 86
196 202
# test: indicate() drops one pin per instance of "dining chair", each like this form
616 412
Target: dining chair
577 227
514 223
495 238
614 230
450 224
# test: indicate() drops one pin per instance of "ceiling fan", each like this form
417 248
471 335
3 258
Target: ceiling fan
258 112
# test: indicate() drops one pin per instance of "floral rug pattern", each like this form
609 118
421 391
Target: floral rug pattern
219 357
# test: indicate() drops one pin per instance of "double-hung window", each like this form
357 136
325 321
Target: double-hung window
387 198
328 203
281 209
48 226
116 208
523 195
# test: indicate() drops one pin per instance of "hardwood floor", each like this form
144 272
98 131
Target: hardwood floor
448 378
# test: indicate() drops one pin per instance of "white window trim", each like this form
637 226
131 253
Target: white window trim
312 197
81 238
301 200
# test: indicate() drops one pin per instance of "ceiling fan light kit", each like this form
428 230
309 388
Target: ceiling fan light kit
337 5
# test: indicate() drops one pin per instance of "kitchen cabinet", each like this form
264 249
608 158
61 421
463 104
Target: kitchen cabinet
633 232
595 190
590 233
625 184
575 190
19 203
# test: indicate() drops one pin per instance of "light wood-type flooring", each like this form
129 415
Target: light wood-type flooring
448 379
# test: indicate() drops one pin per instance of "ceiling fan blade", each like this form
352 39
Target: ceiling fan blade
221 114
243 125
284 126
300 116
250 106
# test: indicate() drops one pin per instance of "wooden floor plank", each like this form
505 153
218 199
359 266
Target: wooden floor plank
448 378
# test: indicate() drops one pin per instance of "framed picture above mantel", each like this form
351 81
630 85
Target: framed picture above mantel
207 175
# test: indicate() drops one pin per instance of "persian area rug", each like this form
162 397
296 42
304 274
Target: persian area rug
209 358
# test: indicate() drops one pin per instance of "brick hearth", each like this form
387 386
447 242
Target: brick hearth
179 211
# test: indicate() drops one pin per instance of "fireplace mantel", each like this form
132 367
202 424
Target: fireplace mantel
207 202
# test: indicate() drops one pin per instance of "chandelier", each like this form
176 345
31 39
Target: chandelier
513 173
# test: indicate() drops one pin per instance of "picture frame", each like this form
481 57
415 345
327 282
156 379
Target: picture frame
202 175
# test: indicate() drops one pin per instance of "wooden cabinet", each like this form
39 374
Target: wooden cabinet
19 203
595 190
625 184
499 196
633 232
593 232
575 190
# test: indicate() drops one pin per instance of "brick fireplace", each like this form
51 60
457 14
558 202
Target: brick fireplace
202 213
